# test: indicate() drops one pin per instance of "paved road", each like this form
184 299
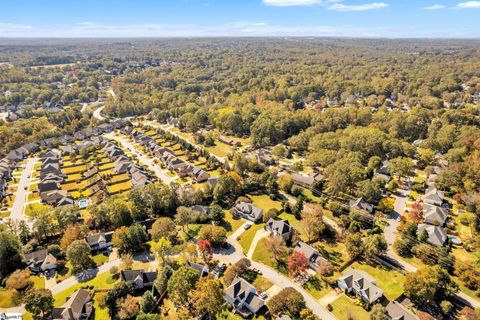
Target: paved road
148 162
236 253
98 113
21 194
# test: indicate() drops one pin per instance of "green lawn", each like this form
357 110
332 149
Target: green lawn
262 284
29 208
262 255
100 259
390 281
346 309
333 251
265 202
317 287
232 224
246 238
7 298
103 281
220 149
118 187
38 282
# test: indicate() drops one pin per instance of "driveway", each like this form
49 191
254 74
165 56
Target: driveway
98 113
145 160
235 253
22 191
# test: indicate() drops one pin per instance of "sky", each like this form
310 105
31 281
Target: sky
214 18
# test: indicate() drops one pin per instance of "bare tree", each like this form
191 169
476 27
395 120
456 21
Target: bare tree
312 220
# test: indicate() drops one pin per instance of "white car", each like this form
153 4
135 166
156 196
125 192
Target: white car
247 226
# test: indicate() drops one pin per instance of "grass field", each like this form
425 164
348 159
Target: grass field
76 169
390 281
345 309
102 281
265 202
120 187
232 224
317 287
262 255
246 238
220 149
120 178
29 208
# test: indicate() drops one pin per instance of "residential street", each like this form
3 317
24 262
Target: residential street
145 160
98 113
235 254
22 191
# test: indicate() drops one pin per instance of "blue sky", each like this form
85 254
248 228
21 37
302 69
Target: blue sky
198 18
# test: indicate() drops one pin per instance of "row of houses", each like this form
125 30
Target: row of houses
51 178
435 215
6 168
123 164
168 157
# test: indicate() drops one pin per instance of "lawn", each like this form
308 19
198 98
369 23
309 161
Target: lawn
345 309
7 299
333 251
75 169
265 202
317 287
262 284
106 166
74 177
262 255
33 196
29 208
38 282
100 259
119 187
102 281
246 238
120 178
390 281
71 186
232 224
220 149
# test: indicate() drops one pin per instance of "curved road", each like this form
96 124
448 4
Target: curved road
232 256
22 192
98 113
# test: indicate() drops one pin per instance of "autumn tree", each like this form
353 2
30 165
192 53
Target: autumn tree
297 263
19 280
163 227
128 307
72 233
181 282
207 297
205 248
287 301
354 245
312 221
276 246
415 214
217 235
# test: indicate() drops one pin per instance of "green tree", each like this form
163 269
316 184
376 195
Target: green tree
78 253
10 253
181 282
148 302
354 245
39 302
430 285
378 312
207 297
287 301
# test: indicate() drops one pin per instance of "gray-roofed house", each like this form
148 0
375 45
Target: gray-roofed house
40 261
248 211
307 181
313 256
243 297
199 175
433 196
139 278
79 306
397 311
360 284
361 204
139 180
435 215
100 241
200 268
436 235
279 228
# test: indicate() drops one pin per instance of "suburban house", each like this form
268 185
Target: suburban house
360 284
279 228
199 175
243 297
229 141
212 181
56 198
264 157
248 211
100 241
361 204
435 215
200 268
40 261
313 256
139 179
433 196
201 209
397 311
436 235
307 181
139 278
79 306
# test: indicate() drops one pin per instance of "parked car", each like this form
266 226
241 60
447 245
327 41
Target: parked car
247 226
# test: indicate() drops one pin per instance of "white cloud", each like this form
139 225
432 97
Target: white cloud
435 7
11 28
291 3
361 7
468 5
